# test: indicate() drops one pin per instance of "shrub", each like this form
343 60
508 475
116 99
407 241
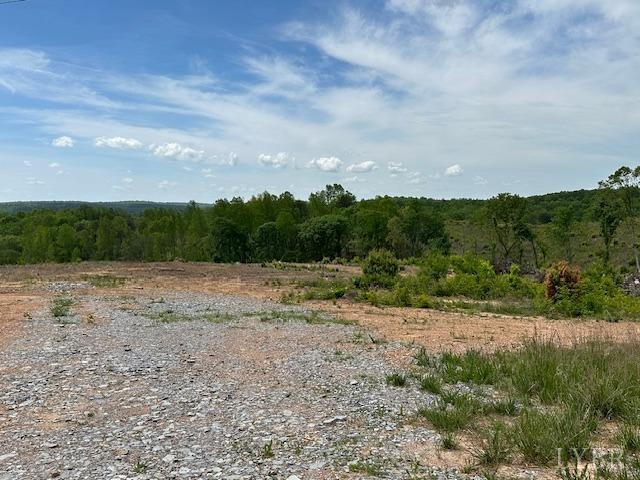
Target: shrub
434 266
561 280
380 269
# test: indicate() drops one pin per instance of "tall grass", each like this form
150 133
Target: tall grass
566 392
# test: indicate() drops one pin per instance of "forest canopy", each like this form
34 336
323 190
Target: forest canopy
330 224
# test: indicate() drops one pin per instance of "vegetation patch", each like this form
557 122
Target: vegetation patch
551 400
61 307
170 316
311 317
106 281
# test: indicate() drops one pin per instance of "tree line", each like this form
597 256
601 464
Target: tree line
330 224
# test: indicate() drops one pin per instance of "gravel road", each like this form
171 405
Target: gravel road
194 386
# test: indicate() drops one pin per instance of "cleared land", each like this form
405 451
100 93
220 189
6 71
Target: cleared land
199 371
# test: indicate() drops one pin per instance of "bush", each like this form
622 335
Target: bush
380 269
561 279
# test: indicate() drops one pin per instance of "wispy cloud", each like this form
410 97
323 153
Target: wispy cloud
422 86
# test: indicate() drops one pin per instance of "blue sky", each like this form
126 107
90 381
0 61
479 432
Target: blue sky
202 99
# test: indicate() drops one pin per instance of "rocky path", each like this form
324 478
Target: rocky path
193 386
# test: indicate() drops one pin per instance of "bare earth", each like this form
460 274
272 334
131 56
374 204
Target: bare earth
235 385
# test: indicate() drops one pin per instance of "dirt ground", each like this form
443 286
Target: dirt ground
108 312
25 288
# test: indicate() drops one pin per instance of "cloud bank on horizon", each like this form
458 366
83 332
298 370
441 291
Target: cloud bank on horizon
188 100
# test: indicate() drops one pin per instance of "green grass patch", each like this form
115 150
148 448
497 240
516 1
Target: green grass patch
61 307
170 316
552 397
106 281
311 317
396 379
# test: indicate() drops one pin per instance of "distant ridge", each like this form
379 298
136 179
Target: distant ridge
133 207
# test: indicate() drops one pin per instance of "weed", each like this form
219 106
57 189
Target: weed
396 379
628 438
431 384
449 442
311 317
61 307
139 467
169 316
496 446
267 449
449 417
368 468
471 366
542 436
106 281
423 359
506 406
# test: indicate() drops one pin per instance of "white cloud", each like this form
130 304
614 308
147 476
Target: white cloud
279 160
354 179
63 142
478 180
54 165
362 167
454 171
444 80
177 152
166 184
128 180
34 181
416 178
396 167
232 159
27 163
326 164
208 173
120 143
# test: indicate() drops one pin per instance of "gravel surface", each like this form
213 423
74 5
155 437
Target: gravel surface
193 386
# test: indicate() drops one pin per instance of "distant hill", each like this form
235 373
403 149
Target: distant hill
132 207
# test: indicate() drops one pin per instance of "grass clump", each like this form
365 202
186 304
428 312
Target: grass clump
310 317
472 366
628 438
496 446
557 395
267 449
170 316
542 436
448 441
431 384
61 307
106 281
368 468
396 379
454 412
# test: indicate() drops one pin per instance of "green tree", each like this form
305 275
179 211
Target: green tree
268 245
65 243
323 236
626 182
562 230
416 230
229 242
506 212
609 213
